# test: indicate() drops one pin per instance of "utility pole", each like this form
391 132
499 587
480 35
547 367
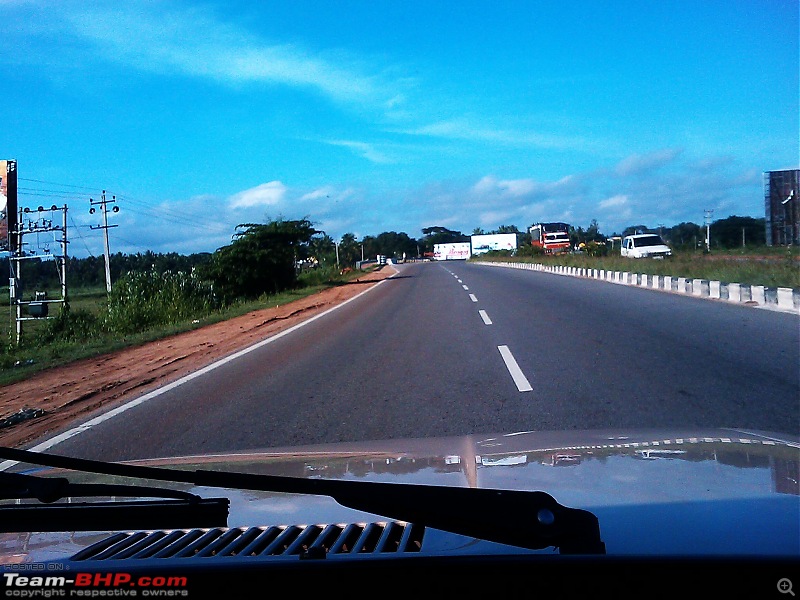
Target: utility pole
38 306
707 215
103 204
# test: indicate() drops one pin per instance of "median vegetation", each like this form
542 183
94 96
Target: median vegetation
770 267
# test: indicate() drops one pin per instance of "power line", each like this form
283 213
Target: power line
80 187
80 236
163 214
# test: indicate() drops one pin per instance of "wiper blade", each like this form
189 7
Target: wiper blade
187 509
533 519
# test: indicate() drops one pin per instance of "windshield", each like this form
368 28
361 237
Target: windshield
651 240
269 228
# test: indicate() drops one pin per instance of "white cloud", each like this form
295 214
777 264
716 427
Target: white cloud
506 187
324 192
641 163
614 201
266 194
197 43
525 187
363 149
463 129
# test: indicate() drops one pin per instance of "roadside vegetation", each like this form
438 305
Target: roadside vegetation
161 295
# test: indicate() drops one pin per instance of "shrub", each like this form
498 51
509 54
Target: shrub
70 326
141 300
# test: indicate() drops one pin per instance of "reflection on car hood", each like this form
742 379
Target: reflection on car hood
706 491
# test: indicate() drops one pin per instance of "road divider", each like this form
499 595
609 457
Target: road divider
780 299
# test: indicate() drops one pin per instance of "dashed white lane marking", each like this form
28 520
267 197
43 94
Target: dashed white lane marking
473 298
485 317
465 287
523 385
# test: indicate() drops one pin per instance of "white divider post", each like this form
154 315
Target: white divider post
785 298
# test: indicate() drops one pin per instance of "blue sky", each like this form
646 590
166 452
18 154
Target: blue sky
371 116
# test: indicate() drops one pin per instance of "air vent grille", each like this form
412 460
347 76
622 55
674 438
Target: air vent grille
277 540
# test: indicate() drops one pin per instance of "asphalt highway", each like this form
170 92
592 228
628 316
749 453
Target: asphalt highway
452 348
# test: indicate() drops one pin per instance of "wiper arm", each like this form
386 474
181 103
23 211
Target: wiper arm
532 520
17 486
189 509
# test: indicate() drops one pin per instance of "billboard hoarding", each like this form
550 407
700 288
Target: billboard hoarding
8 205
495 241
453 251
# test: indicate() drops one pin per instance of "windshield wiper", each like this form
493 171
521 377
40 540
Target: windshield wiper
174 509
527 519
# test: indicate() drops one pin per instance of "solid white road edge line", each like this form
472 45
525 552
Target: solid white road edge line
47 444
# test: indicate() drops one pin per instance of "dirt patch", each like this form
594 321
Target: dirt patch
83 388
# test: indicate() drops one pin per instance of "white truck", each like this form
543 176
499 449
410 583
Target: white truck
644 245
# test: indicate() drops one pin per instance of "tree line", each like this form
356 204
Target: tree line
269 257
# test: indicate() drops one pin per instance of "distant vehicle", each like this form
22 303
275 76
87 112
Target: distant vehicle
552 237
645 245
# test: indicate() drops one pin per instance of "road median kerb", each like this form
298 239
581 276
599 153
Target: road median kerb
781 299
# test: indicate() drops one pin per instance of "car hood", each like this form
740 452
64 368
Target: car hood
654 492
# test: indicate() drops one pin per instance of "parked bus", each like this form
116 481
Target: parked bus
552 237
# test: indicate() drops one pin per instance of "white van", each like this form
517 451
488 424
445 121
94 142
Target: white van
645 245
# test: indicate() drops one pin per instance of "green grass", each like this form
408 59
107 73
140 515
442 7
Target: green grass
771 267
19 363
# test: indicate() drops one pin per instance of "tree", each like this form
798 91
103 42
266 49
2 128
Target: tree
349 250
440 235
506 229
685 235
635 229
391 243
322 249
260 260
733 231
